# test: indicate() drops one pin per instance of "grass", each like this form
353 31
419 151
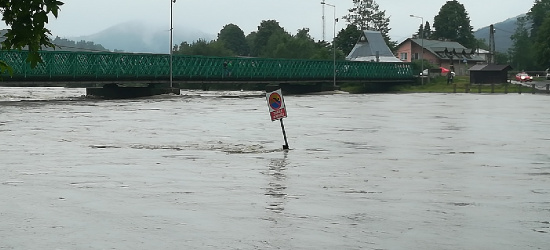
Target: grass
439 85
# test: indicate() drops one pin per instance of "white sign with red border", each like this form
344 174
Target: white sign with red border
276 104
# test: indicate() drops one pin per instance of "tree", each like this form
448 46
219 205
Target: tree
277 46
69 45
500 58
482 44
366 15
347 38
427 30
542 44
424 31
233 38
27 19
299 46
324 51
262 36
521 51
453 23
204 48
537 14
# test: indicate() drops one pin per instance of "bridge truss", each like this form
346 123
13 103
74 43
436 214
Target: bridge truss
104 67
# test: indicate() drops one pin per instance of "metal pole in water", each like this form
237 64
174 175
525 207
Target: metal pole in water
171 38
284 134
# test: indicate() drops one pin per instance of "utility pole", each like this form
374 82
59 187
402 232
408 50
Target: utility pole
324 21
171 38
333 43
492 46
422 44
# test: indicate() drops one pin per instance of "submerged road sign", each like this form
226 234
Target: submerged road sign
277 110
276 104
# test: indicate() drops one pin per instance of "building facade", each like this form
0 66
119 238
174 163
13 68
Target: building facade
446 54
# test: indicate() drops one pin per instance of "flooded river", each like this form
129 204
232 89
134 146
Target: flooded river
206 170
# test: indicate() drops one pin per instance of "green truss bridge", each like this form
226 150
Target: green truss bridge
83 69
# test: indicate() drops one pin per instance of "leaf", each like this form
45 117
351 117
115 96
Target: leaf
4 67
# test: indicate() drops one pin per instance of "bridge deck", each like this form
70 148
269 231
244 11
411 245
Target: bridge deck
112 67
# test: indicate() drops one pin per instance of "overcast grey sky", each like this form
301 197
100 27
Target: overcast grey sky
79 18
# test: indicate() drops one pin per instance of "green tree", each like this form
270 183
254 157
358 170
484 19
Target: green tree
27 19
453 23
260 39
417 65
324 52
278 46
347 38
521 51
366 15
424 31
250 39
542 44
482 44
204 48
500 58
537 14
233 38
299 46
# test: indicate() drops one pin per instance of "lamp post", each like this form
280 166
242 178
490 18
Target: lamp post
171 38
421 53
333 43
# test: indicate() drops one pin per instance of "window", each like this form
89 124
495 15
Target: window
403 56
416 56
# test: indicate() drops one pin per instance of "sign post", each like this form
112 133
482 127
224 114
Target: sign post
277 110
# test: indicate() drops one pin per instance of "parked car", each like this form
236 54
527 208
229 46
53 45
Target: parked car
523 77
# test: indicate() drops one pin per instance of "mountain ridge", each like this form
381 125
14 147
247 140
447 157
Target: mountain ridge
142 37
503 32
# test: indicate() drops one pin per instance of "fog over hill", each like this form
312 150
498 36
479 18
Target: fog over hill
141 37
503 31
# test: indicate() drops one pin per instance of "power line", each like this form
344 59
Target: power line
504 30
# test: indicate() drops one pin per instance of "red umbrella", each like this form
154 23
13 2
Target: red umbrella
444 70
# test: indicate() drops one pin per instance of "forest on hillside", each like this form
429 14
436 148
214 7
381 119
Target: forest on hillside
70 45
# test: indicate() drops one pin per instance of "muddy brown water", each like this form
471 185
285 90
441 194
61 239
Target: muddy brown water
206 170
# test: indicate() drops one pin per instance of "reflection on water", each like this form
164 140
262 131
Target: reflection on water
276 187
205 170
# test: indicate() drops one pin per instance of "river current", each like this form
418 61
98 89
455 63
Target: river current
206 170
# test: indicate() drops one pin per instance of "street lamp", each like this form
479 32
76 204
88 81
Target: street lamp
171 38
333 43
422 53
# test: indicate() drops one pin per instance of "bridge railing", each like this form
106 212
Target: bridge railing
65 65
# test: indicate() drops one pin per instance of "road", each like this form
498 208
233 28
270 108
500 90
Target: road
541 85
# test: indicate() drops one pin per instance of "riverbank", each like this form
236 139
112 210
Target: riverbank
461 84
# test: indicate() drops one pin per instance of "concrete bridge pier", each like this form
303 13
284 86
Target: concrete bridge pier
114 91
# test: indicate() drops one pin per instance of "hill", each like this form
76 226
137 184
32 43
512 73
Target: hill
141 37
69 45
504 30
